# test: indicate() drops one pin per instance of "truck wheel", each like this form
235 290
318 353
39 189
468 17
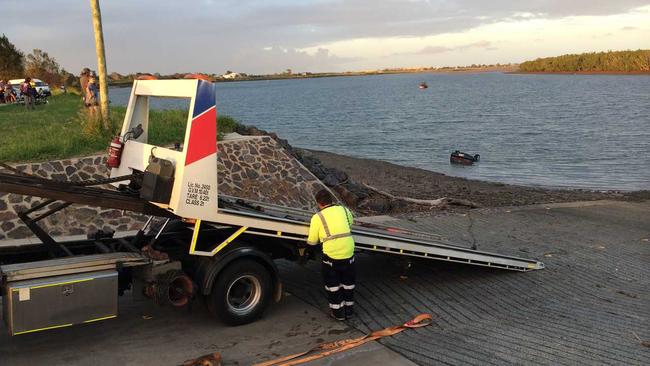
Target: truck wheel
241 293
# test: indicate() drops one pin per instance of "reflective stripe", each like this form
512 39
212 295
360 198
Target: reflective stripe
337 306
102 318
195 236
332 289
337 236
329 237
328 263
348 303
325 227
46 328
346 215
348 287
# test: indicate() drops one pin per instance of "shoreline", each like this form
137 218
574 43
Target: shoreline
128 83
423 184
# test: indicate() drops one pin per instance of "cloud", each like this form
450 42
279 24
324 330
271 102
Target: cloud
429 50
276 58
211 36
479 44
603 35
329 21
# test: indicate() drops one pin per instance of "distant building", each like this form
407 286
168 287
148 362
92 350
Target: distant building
115 76
231 75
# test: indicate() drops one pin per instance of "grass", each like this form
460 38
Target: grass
60 130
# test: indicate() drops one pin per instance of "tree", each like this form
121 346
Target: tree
40 65
617 61
70 81
12 61
101 60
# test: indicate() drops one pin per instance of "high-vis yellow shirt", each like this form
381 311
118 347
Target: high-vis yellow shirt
331 226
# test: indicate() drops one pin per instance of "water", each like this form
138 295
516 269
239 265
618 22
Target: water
575 131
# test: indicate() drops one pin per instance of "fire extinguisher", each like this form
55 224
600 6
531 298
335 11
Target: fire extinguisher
115 152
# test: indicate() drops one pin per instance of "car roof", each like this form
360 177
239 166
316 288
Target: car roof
18 81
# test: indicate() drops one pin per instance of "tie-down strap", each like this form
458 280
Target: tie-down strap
326 349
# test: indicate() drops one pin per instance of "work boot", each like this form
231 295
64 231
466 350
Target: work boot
336 317
349 312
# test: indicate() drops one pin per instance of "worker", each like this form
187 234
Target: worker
27 92
83 82
331 226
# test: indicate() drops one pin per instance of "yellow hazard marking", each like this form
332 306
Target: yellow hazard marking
279 233
229 240
102 318
56 284
46 328
195 236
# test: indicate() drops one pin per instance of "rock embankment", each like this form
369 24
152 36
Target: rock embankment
255 168
355 195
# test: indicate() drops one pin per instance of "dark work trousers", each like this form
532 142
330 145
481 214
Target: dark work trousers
339 276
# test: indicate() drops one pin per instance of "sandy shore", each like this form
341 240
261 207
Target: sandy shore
423 184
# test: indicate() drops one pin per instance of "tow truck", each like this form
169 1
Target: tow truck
210 246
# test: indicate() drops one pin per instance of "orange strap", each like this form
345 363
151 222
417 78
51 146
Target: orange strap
326 349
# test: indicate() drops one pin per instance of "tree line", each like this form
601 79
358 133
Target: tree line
612 61
38 64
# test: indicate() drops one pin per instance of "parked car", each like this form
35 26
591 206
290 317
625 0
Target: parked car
41 87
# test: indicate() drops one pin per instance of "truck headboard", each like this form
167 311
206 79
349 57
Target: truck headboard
194 192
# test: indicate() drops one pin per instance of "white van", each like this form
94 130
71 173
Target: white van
41 87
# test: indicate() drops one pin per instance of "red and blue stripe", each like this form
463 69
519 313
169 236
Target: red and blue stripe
203 129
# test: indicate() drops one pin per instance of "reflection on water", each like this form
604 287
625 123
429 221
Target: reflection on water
549 130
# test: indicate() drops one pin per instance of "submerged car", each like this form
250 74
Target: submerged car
458 157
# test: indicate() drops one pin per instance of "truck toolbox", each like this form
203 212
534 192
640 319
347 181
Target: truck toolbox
59 301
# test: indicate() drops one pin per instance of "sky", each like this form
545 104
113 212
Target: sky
256 37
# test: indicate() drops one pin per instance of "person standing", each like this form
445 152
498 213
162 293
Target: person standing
91 96
10 94
83 82
2 91
26 92
331 226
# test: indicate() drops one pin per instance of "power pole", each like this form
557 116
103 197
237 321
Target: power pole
101 60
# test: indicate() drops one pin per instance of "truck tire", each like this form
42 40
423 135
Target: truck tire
241 292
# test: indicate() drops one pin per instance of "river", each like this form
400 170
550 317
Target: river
565 131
